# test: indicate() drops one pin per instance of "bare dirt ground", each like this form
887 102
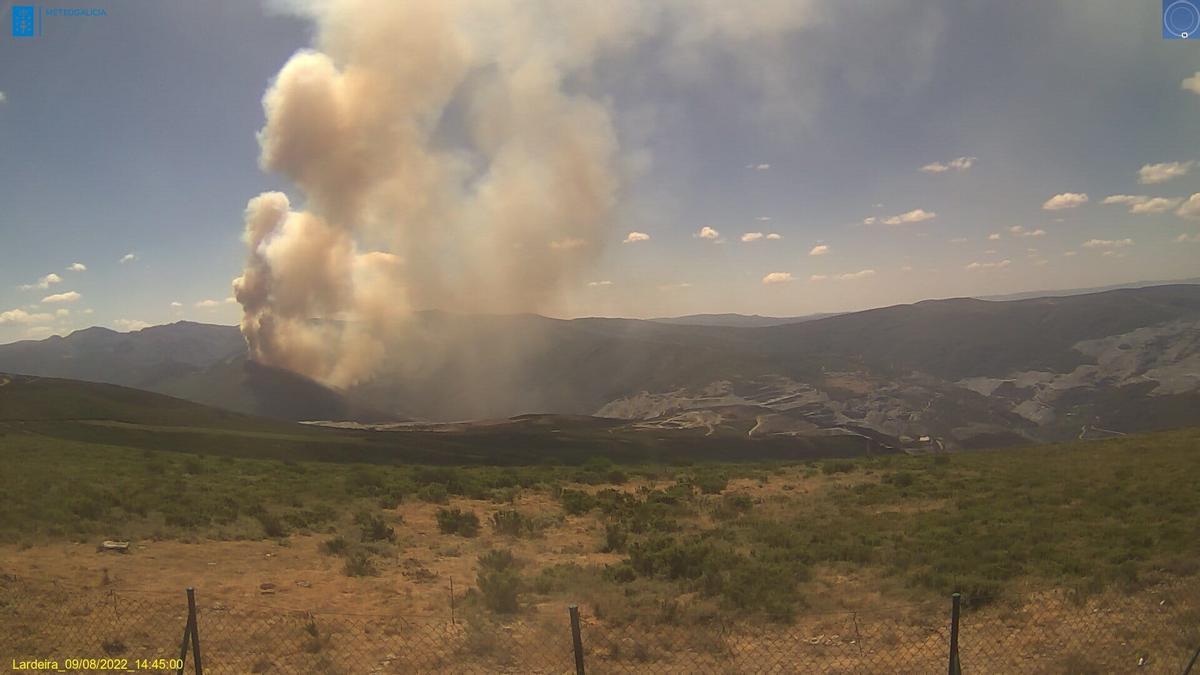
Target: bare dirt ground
283 606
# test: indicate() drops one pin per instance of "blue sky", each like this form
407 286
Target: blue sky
134 133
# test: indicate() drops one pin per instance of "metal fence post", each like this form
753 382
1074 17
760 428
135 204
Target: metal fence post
577 639
196 663
955 668
187 640
1191 663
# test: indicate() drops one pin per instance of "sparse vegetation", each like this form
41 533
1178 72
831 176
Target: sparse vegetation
1086 516
499 581
457 521
513 524
359 564
374 528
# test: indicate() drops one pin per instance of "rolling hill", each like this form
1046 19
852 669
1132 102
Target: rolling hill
51 411
967 372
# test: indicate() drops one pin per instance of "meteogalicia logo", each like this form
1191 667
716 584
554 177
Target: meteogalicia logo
30 20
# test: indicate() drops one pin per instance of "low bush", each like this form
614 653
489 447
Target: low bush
373 527
499 581
335 546
359 564
576 503
434 493
513 524
457 521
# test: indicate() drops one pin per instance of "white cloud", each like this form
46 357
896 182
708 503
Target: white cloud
1113 254
1107 243
1192 83
39 332
675 287
230 300
870 220
861 274
1155 205
848 276
129 325
752 236
176 304
567 244
1143 205
995 236
599 284
957 164
1163 172
1041 262
3 97
959 240
1188 238
777 278
207 304
64 312
989 265
69 296
128 257
763 219
22 317
1066 200
1190 208
906 268
43 283
1018 231
707 232
914 216
820 249
634 237
774 237
77 267
1069 254
759 167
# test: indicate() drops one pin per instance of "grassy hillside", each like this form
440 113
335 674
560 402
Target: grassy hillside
749 537
67 411
479 366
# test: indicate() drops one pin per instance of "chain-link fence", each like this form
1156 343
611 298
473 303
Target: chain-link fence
1150 632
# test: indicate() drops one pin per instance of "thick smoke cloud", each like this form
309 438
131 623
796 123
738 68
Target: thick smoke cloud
450 155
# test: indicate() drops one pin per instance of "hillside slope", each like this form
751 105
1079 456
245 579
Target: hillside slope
967 372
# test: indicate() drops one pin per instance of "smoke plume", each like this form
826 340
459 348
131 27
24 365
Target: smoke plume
452 155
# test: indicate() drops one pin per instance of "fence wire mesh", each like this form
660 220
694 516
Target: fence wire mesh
1150 632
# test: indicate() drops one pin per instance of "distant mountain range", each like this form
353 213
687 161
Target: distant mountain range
1091 289
967 372
742 320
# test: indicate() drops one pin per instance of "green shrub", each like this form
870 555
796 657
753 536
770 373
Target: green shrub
615 538
335 546
373 527
499 581
621 573
901 479
272 525
837 466
434 493
457 521
762 587
359 564
576 503
512 523
363 480
711 483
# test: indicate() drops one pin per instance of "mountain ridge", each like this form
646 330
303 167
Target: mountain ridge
959 368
